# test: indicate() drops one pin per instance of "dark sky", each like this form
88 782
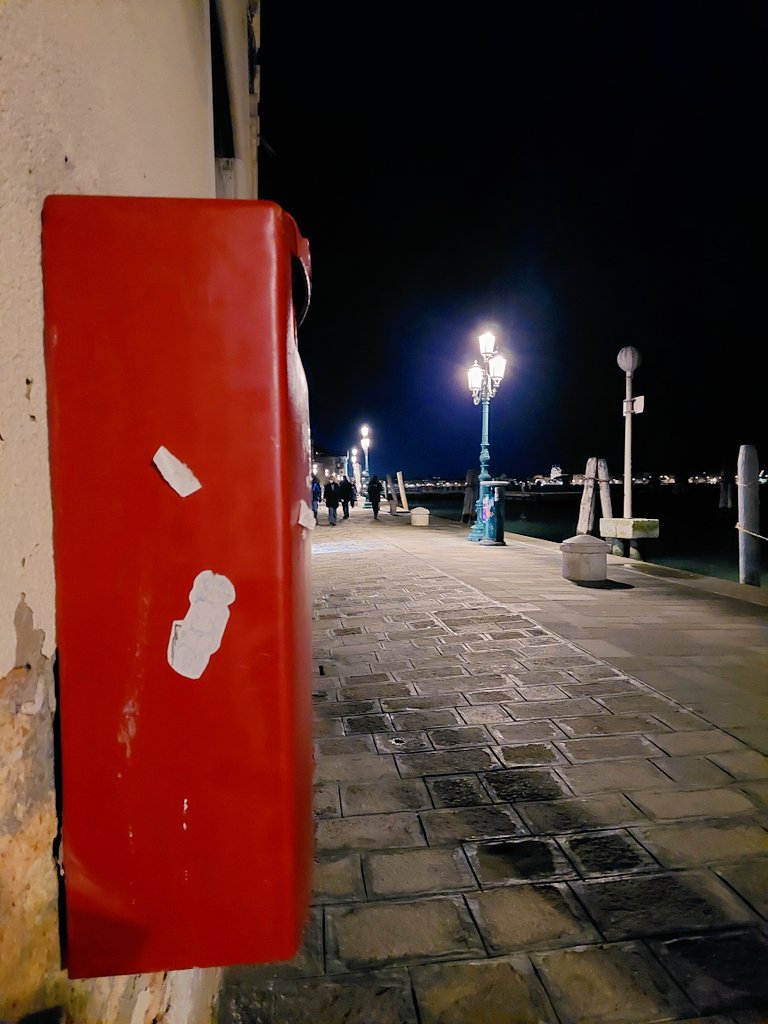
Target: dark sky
584 175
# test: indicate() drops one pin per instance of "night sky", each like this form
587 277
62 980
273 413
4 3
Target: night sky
583 176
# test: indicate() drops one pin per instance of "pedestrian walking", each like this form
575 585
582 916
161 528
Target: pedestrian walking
374 494
345 496
317 494
331 498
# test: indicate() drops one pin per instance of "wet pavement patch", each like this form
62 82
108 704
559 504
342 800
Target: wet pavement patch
344 1001
457 791
723 972
341 709
446 762
580 814
410 721
519 784
461 736
605 853
466 823
518 860
367 723
660 904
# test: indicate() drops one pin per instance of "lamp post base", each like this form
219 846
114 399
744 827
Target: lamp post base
488 528
477 530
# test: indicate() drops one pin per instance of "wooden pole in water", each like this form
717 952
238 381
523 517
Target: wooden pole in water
604 482
749 515
606 505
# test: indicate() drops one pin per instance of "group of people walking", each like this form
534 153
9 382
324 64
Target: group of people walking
344 493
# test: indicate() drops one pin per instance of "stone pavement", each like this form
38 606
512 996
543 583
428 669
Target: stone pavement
536 801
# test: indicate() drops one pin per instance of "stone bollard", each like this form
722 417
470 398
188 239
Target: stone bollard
585 558
420 517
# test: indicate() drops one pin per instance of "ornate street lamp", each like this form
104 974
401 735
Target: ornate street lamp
484 382
365 444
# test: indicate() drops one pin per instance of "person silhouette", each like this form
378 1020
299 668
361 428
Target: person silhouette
317 494
331 498
375 489
345 496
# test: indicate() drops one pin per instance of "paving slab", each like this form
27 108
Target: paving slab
369 832
520 784
401 873
693 771
620 983
579 814
597 854
720 972
527 917
446 762
326 801
457 791
685 844
750 880
701 803
661 904
455 824
337 878
500 991
616 776
375 934
509 861
377 997
585 794
386 795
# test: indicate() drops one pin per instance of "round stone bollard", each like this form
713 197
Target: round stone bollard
585 558
420 517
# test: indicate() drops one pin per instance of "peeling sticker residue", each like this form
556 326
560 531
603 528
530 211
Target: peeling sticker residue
198 635
175 472
306 516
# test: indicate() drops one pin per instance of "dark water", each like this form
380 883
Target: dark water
694 533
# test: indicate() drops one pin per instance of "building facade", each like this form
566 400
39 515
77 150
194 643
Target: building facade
133 98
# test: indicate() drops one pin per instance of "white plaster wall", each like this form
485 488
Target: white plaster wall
99 97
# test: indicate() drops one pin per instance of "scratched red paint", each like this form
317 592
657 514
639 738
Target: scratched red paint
187 828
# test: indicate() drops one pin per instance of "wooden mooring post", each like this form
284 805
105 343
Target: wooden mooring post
597 471
749 515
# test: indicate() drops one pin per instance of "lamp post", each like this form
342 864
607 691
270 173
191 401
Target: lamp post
484 382
628 360
365 444
356 471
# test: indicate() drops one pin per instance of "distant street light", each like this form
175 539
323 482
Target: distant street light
365 444
628 360
484 382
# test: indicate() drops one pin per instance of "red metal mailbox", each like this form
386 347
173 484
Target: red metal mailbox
180 461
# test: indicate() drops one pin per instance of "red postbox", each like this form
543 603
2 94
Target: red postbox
180 461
